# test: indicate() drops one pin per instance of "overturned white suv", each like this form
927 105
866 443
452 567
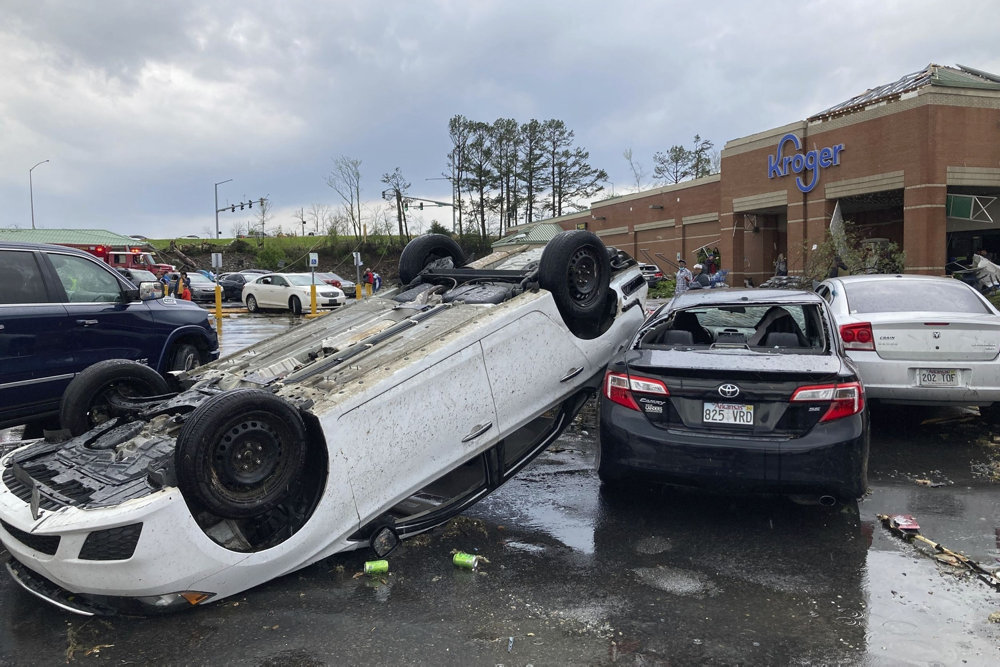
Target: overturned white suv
357 429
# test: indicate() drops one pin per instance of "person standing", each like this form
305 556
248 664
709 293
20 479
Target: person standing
183 289
700 277
781 265
684 277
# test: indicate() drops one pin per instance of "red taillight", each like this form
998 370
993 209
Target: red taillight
659 274
618 388
845 399
857 336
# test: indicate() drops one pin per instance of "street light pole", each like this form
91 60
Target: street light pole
217 234
450 180
31 193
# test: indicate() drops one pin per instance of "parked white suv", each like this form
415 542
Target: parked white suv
368 425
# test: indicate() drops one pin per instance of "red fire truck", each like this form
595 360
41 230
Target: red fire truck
125 258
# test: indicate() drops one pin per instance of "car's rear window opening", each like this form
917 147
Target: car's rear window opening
797 327
900 296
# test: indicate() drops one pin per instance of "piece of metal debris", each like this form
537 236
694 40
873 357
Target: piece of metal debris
467 561
907 528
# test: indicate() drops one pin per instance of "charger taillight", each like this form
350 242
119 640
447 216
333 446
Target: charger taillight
857 336
845 399
618 388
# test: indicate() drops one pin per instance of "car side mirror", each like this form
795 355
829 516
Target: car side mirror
384 541
149 290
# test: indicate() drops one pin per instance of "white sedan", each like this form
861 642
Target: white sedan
919 340
354 430
290 291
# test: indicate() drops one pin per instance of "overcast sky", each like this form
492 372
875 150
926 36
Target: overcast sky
141 107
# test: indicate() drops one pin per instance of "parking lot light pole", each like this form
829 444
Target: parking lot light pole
31 193
217 234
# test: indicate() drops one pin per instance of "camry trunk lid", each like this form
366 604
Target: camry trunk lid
735 392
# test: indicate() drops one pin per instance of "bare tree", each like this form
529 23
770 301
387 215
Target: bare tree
638 172
345 179
238 229
263 213
398 186
672 167
317 215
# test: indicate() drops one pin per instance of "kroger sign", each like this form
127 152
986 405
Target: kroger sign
779 165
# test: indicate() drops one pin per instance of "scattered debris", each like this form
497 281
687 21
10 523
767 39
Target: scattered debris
931 483
906 527
994 617
467 561
373 567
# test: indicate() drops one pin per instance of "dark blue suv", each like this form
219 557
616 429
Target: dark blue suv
62 310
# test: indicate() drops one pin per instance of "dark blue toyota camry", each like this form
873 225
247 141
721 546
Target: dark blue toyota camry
744 390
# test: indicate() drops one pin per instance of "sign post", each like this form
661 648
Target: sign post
313 262
217 269
357 272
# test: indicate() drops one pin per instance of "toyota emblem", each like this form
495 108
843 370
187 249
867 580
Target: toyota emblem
937 334
729 391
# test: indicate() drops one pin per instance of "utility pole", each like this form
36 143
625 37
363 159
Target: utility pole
217 233
31 193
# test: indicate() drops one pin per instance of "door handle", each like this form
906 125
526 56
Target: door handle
572 374
86 323
477 431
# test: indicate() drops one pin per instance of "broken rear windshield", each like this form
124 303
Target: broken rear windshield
797 327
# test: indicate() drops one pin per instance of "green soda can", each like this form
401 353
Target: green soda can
376 567
464 560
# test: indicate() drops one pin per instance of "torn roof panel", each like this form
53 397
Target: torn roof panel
932 75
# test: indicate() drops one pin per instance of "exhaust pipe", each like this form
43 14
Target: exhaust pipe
827 501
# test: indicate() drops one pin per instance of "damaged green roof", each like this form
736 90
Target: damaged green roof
932 75
66 236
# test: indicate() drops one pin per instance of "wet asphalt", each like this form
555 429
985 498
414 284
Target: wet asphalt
580 575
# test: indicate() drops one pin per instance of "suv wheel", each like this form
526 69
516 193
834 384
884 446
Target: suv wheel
576 269
241 453
185 358
425 250
89 399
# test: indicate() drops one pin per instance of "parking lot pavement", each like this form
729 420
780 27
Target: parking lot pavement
580 576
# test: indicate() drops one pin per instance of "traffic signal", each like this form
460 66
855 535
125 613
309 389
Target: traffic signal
421 206
250 204
234 208
406 206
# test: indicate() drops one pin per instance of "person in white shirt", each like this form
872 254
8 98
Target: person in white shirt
684 277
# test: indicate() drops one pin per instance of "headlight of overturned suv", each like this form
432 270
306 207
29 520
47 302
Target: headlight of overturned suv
360 428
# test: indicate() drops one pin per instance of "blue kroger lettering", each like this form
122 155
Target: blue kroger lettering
779 165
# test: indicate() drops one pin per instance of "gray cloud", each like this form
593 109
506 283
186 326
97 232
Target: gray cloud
140 107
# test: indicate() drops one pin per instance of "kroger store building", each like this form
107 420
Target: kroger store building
916 162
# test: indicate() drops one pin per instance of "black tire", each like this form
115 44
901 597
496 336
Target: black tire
252 304
576 269
991 413
295 305
85 403
425 250
240 453
608 474
185 357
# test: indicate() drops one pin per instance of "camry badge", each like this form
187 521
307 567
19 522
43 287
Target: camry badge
729 391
